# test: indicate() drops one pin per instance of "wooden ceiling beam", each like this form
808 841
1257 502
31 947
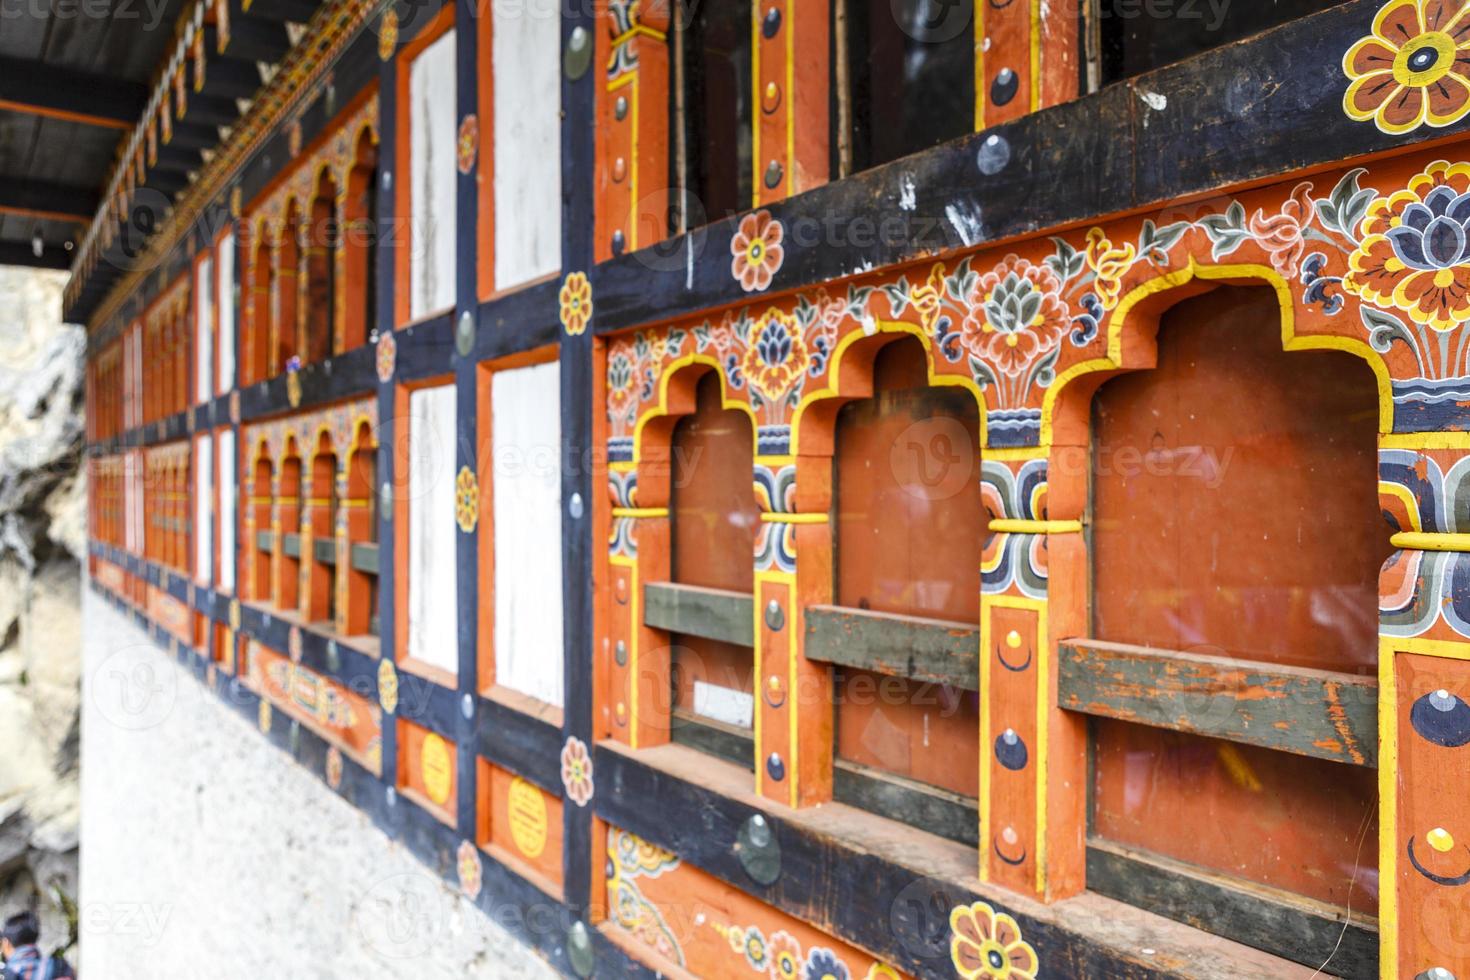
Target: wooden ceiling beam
39 89
42 199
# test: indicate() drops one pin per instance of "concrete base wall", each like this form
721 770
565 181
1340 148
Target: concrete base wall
206 852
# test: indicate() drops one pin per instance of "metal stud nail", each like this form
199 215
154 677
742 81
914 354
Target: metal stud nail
579 950
774 173
772 23
467 706
1436 973
1003 89
387 180
620 108
619 170
385 500
574 506
293 737
618 242
334 657
775 767
391 795
620 653
775 616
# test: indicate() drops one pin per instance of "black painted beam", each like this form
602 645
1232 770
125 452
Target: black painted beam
47 90
19 195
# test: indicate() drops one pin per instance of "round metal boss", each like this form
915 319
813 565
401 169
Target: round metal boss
579 53
387 180
391 795
774 173
775 766
620 108
464 335
775 616
758 851
994 154
579 945
620 653
772 23
1436 973
467 707
385 500
574 507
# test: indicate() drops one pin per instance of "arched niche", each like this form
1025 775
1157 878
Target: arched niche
357 608
1234 513
359 243
287 521
319 269
318 549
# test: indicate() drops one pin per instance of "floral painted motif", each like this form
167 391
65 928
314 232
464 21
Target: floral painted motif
881 971
630 857
387 686
387 356
1413 70
985 943
753 946
469 142
471 872
1414 255
777 355
1108 263
466 500
823 964
388 34
576 303
576 771
757 250
1281 234
1016 316
334 767
785 957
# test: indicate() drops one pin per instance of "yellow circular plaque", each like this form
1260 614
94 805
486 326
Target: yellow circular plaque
434 760
526 810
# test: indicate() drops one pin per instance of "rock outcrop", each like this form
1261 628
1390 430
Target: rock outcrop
42 548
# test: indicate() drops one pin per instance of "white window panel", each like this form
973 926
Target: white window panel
526 39
204 331
227 514
203 519
432 177
225 291
526 441
432 544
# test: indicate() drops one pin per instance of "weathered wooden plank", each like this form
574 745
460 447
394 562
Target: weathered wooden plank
713 614
365 558
1288 927
1316 713
933 650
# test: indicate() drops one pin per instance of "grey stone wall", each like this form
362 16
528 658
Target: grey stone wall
42 542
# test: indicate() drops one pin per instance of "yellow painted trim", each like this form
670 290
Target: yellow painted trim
1424 440
788 102
1016 454
1014 525
755 114
638 30
882 326
1035 55
640 512
1431 541
1446 649
1388 752
1411 505
624 79
795 518
793 776
979 68
1185 274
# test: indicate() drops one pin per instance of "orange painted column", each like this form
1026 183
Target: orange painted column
1026 58
1032 754
317 580
633 129
793 570
791 66
640 692
1424 710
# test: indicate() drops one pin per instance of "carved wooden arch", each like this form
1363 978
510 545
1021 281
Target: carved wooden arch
653 434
